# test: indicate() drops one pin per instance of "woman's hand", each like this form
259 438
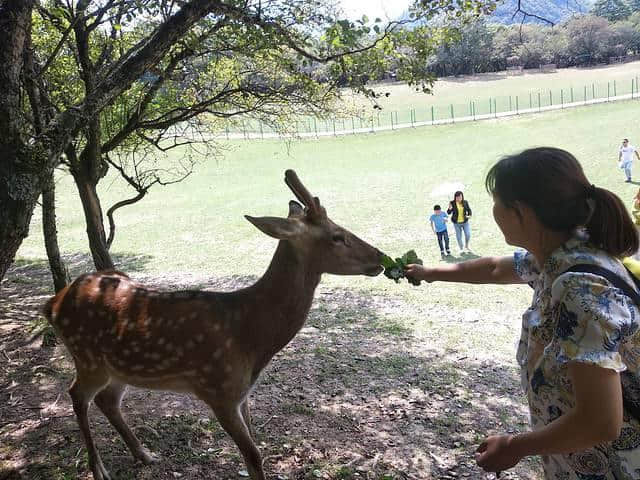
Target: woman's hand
419 272
497 454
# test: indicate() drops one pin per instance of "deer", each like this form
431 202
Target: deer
213 345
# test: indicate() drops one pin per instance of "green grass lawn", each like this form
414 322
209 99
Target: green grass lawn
381 186
479 88
480 95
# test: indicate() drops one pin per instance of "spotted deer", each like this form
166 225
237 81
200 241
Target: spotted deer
211 344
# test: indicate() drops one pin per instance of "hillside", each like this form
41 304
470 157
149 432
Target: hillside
553 10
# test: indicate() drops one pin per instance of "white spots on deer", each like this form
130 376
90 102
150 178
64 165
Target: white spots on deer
228 342
216 327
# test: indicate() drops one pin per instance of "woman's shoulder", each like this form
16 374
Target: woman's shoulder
566 278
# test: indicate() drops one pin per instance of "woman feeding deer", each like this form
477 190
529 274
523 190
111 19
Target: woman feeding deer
580 336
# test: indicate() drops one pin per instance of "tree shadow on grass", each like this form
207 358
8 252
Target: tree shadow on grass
354 395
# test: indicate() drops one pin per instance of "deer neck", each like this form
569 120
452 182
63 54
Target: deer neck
284 295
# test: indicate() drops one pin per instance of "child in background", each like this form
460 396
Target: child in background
438 223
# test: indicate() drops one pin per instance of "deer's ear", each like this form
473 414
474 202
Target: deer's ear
280 228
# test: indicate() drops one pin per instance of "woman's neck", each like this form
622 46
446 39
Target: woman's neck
549 242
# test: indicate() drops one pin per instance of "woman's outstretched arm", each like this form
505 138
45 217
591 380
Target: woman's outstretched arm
480 270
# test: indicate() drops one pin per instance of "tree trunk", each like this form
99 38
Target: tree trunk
94 220
19 191
59 272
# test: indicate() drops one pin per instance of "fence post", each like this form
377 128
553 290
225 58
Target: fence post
516 104
453 120
539 105
572 94
315 125
632 89
226 128
353 125
334 128
495 109
262 131
473 105
244 129
391 120
608 90
396 117
433 117
411 115
530 101
470 109
585 94
550 98
489 105
593 91
615 90
510 106
561 98
378 119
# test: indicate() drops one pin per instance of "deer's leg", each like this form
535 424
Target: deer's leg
246 415
109 400
231 419
82 391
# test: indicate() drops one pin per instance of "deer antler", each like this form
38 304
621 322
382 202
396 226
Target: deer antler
301 192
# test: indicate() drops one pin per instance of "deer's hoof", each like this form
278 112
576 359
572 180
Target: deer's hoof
146 457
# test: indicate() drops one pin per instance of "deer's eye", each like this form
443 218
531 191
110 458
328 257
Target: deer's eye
338 238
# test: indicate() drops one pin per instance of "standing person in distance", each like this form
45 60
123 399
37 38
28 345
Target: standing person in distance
625 158
580 331
438 223
460 213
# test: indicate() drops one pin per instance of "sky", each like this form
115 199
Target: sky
384 9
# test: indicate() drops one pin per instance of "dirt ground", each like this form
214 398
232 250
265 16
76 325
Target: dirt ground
346 399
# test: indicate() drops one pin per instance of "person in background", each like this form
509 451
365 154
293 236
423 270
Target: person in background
636 209
460 213
580 331
438 223
625 158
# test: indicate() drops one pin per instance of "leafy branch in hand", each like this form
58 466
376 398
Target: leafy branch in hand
394 269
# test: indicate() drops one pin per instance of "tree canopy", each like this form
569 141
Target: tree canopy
84 78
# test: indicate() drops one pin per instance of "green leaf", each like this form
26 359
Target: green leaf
394 269
387 262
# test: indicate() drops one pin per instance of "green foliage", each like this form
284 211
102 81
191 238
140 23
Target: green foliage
612 10
394 269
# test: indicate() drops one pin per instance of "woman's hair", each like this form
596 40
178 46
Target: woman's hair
552 183
458 193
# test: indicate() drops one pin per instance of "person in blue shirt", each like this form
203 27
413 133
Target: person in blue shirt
438 223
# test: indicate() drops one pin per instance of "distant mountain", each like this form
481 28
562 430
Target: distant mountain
554 10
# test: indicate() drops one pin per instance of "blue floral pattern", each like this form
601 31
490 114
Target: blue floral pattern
577 317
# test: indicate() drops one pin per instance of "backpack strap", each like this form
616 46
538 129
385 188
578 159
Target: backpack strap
629 381
616 280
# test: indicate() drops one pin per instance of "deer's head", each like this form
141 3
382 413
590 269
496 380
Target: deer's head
327 246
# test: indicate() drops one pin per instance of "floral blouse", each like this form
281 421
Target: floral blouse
577 317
